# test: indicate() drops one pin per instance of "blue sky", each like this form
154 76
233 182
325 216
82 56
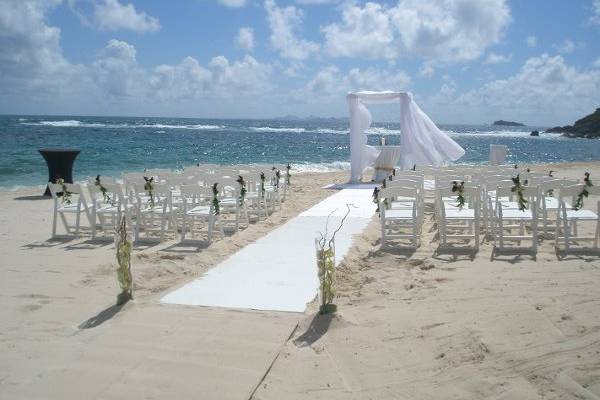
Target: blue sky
466 61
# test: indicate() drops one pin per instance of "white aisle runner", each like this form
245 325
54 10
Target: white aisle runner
278 271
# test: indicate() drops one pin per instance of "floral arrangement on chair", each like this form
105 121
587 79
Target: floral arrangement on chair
375 196
240 180
459 189
105 195
66 195
277 177
587 182
262 184
215 200
149 188
288 175
518 189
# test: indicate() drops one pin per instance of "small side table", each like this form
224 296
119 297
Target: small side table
60 164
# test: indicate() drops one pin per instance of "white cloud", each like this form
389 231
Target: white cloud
546 91
111 15
34 72
233 3
245 38
494 58
31 59
531 41
315 2
597 63
449 31
426 70
329 82
186 80
284 23
117 73
365 31
568 46
595 18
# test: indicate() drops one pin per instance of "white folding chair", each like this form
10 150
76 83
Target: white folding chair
454 222
507 217
106 213
197 205
76 205
231 205
568 219
401 222
155 216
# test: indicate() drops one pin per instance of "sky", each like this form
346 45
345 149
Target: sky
465 61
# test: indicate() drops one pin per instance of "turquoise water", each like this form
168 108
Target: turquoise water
110 145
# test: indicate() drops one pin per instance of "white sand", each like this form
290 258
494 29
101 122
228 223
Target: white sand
408 327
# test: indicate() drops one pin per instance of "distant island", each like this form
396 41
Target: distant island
507 123
588 127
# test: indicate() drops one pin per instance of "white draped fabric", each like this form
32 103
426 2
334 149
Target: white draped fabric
421 141
385 162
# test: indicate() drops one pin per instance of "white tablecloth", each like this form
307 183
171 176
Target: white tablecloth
385 162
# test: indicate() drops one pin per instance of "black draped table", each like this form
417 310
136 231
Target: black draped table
60 164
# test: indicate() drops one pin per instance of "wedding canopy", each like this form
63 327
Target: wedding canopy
421 142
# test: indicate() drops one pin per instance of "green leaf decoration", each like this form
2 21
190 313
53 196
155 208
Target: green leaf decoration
240 180
103 190
124 275
459 189
518 189
326 265
66 195
587 182
288 175
149 188
215 200
376 197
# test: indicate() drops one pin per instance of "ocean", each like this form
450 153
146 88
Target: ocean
112 145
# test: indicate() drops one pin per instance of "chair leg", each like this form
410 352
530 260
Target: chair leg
77 221
210 228
55 215
534 236
93 223
183 227
163 227
63 218
567 234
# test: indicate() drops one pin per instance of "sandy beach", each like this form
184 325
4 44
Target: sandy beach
409 326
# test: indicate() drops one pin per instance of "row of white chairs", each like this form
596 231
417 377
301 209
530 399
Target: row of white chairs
178 203
490 207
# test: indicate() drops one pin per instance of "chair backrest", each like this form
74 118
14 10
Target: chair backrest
73 188
470 192
443 180
393 192
506 191
407 183
570 191
549 184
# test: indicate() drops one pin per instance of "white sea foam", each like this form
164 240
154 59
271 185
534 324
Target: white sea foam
78 124
270 129
321 167
192 127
